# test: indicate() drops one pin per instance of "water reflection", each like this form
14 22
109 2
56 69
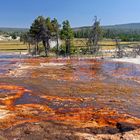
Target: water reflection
64 87
12 55
121 70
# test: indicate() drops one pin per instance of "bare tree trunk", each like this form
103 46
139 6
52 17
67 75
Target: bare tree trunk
68 47
37 48
57 53
46 46
29 48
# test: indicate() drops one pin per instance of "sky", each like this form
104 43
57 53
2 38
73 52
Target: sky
21 13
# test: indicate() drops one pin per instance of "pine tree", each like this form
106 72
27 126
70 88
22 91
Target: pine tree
67 34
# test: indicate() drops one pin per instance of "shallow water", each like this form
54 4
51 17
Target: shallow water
63 86
12 55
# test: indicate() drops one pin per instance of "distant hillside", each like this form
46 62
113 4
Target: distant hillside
9 30
125 27
131 26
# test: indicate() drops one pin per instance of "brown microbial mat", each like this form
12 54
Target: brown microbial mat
68 98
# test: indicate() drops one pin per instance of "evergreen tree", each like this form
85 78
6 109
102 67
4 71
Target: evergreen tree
55 32
67 34
41 31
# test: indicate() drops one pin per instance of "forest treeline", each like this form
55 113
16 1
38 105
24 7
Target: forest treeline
126 32
111 33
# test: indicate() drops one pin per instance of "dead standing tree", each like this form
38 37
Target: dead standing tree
119 53
94 37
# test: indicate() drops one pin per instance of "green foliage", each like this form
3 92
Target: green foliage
124 36
67 35
83 33
37 28
44 29
49 24
73 49
84 50
66 32
55 26
62 50
13 35
126 32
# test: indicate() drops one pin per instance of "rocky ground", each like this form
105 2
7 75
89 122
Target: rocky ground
57 131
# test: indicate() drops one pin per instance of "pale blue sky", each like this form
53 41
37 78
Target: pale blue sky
21 13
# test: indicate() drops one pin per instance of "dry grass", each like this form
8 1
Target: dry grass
105 44
12 46
16 46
